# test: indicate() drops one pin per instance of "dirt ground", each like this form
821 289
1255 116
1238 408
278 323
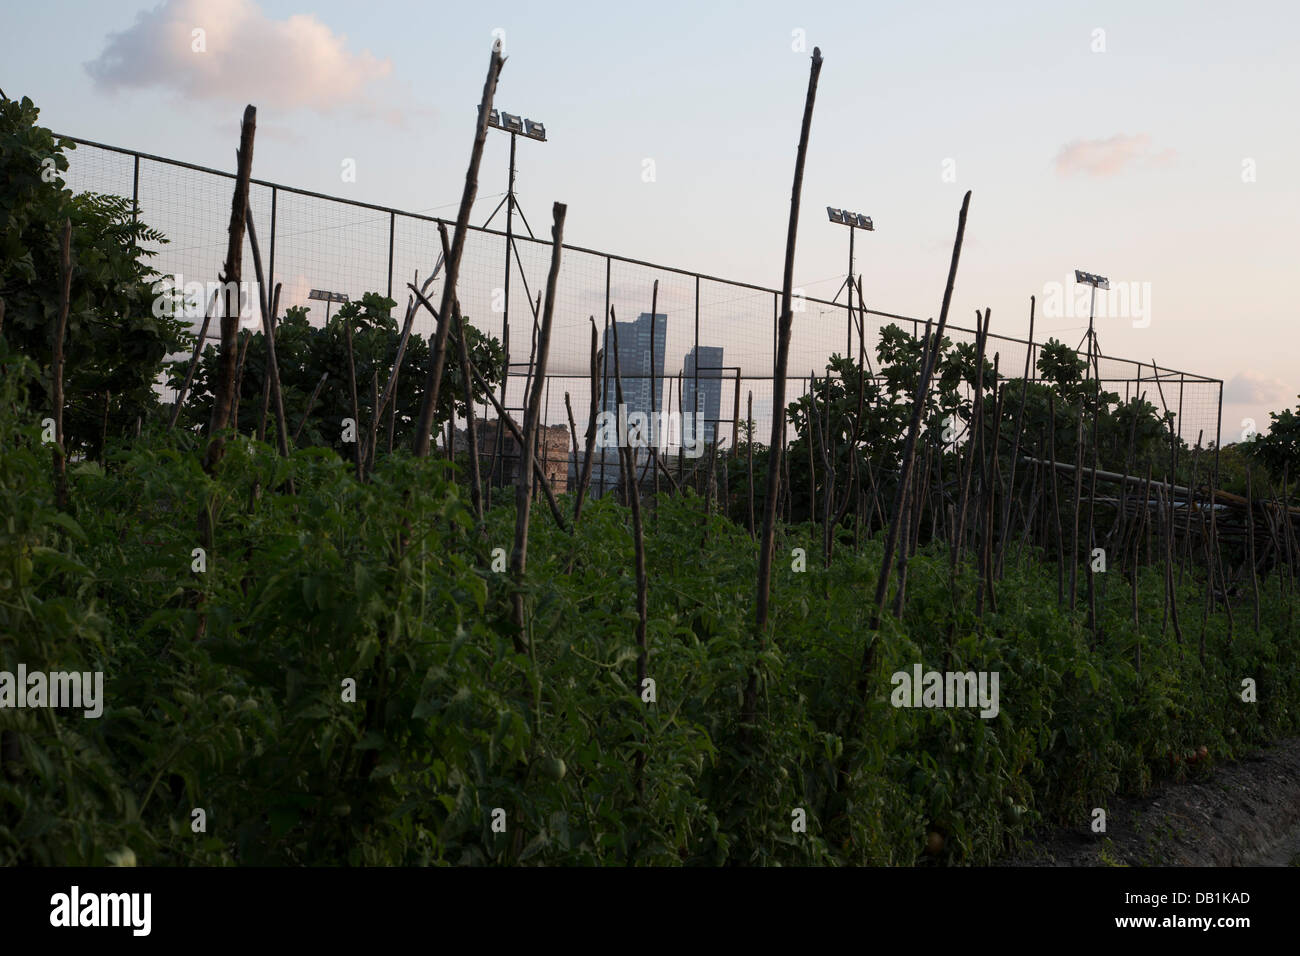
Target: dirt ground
1244 813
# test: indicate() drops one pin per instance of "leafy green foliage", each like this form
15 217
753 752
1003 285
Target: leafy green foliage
224 689
1279 450
305 352
115 344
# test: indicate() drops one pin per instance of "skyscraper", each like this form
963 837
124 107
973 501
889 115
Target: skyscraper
641 366
709 405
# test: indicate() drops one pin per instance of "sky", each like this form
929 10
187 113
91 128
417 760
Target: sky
1152 143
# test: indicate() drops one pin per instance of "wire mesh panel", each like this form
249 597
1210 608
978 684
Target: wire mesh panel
709 331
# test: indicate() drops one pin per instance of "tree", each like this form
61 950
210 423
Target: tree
1279 450
305 352
115 344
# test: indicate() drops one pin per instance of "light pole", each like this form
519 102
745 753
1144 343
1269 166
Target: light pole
854 221
514 125
328 298
1094 347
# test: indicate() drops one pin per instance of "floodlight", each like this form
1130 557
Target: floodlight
854 220
1087 278
511 122
327 296
535 130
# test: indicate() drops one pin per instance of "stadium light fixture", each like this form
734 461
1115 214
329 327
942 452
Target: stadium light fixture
1094 347
513 123
855 221
328 298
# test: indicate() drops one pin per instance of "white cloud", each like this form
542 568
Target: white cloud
1109 157
294 63
1253 388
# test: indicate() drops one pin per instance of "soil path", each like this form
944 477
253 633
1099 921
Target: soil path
1244 813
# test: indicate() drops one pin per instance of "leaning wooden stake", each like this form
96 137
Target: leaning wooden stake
232 275
532 415
1170 589
266 372
776 448
356 404
1092 535
638 543
976 439
1250 539
591 424
1015 445
244 339
433 380
368 462
194 360
1076 500
471 428
60 330
929 361
268 333
311 403
463 349
778 382
749 464
1056 500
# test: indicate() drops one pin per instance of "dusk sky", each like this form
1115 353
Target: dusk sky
1153 143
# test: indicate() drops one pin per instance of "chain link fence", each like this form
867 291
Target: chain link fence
313 241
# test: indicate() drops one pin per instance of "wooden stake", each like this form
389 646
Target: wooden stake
749 464
194 361
311 403
269 311
776 450
232 276
1250 539
775 455
532 415
60 332
433 380
358 439
591 423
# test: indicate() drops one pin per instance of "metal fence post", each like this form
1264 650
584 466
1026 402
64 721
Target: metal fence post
135 190
695 373
270 270
392 229
604 384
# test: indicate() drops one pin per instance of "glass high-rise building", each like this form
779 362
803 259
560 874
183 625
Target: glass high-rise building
709 405
641 366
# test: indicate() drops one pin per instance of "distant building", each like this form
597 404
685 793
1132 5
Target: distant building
640 363
553 453
709 406
641 367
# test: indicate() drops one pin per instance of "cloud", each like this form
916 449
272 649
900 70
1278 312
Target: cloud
1253 388
296 63
1109 157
